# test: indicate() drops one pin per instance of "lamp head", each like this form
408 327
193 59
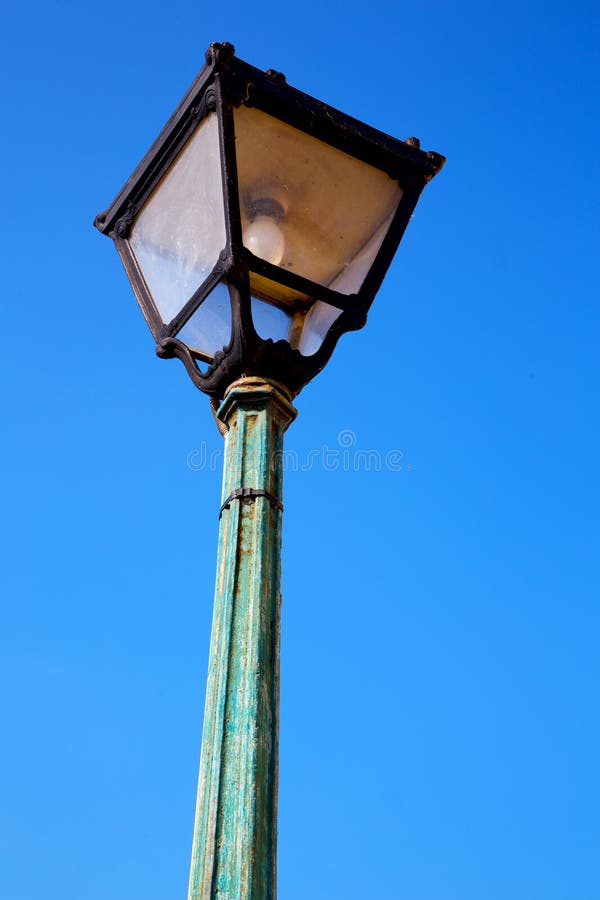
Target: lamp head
259 226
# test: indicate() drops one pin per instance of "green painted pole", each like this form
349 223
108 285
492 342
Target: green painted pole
235 832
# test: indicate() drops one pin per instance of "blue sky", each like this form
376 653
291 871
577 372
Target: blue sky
439 724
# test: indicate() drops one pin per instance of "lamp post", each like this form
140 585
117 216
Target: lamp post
255 232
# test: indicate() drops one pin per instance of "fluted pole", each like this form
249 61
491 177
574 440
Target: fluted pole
235 831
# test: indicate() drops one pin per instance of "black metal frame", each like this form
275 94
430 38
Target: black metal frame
224 83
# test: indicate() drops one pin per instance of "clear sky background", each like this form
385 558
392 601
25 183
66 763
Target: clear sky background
439 713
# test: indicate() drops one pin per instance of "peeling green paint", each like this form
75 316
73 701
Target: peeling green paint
235 832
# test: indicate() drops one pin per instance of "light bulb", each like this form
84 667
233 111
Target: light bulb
264 238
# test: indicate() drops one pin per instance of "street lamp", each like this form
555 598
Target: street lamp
255 232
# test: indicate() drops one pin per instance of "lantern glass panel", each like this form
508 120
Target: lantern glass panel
309 207
271 321
209 328
305 329
180 231
319 319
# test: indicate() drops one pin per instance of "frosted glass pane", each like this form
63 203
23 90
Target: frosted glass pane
209 329
270 321
180 231
319 320
346 281
308 207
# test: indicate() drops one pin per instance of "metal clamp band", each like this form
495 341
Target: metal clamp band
249 495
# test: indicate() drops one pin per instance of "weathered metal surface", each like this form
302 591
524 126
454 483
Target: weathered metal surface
234 850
